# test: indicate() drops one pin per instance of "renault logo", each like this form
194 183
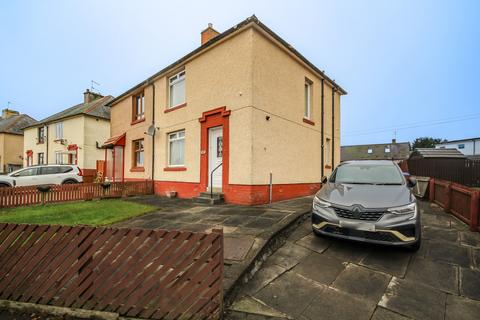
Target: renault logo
357 211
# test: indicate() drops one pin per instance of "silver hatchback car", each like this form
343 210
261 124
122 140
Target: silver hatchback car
369 201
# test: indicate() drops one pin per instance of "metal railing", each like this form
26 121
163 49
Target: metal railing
211 179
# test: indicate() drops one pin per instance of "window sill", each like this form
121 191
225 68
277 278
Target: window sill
175 108
137 121
137 169
308 121
40 142
175 169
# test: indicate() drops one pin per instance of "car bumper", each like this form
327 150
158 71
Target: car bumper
391 231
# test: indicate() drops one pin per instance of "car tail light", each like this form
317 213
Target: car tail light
80 173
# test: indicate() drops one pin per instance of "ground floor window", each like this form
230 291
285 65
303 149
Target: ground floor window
59 158
328 151
176 146
138 153
41 159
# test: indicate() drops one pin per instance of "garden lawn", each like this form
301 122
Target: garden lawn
94 213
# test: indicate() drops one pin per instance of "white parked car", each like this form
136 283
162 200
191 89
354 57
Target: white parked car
42 175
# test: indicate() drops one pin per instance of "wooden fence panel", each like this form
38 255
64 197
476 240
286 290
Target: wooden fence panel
152 274
462 171
25 196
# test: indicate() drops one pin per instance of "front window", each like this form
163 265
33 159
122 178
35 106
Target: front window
461 146
176 143
327 151
357 173
138 156
387 149
308 99
177 89
41 158
139 107
59 130
58 158
370 151
41 135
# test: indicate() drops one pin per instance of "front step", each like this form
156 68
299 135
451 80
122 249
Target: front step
207 198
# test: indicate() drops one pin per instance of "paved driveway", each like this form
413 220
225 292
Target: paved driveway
320 278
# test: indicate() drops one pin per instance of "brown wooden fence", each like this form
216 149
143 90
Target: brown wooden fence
153 274
24 196
461 201
463 171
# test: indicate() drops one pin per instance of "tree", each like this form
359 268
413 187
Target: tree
426 142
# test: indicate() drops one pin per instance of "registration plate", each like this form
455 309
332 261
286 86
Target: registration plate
362 226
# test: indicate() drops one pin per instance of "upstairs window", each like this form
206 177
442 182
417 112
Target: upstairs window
370 151
59 130
308 99
176 143
387 149
41 135
177 89
138 107
461 146
138 153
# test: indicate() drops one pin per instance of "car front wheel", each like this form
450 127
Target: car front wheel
70 182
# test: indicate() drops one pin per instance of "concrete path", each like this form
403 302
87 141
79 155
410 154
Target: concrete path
248 230
322 278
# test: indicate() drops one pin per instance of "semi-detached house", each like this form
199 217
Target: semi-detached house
242 110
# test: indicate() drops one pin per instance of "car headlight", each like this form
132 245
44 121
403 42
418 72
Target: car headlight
408 209
320 203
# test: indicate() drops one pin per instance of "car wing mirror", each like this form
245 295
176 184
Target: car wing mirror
412 182
324 179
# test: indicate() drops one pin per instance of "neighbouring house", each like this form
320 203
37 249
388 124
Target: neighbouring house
434 153
394 150
242 110
11 139
469 147
72 136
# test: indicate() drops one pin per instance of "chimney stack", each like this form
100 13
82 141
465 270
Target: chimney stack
89 96
209 34
394 141
7 113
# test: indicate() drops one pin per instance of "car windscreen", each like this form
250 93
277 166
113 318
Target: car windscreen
367 174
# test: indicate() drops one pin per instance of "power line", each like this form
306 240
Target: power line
412 125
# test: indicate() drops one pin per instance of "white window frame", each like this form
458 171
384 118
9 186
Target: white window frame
59 129
307 112
172 81
173 137
387 149
141 150
369 150
59 155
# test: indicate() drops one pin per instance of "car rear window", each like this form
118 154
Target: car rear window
65 169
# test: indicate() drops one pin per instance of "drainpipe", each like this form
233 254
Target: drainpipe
333 128
322 131
153 137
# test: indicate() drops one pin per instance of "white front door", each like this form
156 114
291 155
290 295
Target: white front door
215 143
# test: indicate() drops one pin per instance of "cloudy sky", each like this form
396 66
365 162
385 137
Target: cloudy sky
410 67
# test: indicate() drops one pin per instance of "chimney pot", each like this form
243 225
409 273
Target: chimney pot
208 34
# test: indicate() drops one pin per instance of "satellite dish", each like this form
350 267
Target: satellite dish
151 131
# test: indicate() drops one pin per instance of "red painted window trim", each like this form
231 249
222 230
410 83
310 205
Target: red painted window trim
175 169
137 169
308 121
175 108
137 121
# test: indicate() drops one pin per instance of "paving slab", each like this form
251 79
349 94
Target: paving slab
314 243
362 282
264 276
237 248
348 250
290 293
261 223
321 268
385 314
470 283
437 274
393 261
289 255
304 229
462 308
469 238
334 304
414 300
449 252
440 234
253 306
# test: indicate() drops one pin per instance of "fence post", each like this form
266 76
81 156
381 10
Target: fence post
448 197
431 195
474 211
